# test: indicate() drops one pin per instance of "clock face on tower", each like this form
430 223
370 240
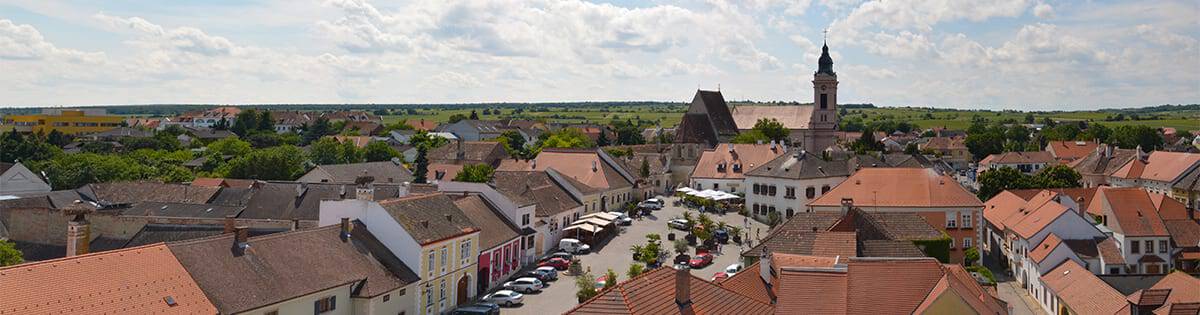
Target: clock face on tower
824 87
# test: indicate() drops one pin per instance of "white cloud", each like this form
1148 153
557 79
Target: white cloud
184 39
1043 10
23 42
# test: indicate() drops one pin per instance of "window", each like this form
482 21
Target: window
790 212
716 186
465 252
789 193
428 300
810 192
325 304
1133 247
772 190
1149 247
387 297
951 221
525 219
442 290
1162 247
431 259
756 208
966 219
772 209
755 189
824 101
445 253
824 189
1114 270
966 243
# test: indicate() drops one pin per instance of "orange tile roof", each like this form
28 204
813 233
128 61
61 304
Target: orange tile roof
1001 206
961 282
748 156
1183 288
422 124
207 182
653 292
813 292
1038 213
791 116
1082 291
358 141
1071 150
1134 212
451 171
899 187
748 283
1169 208
576 164
890 285
1160 166
1044 249
1035 157
136 280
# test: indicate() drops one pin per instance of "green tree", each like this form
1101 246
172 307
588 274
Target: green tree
1018 134
456 118
1062 132
1130 136
222 124
568 138
750 137
276 163
475 173
330 151
645 169
9 255
602 140
1097 132
772 129
57 138
474 115
230 146
586 285
514 144
1058 176
422 165
265 122
70 171
971 255
379 151
426 140
15 147
635 269
994 181
986 142
244 122
610 279
319 129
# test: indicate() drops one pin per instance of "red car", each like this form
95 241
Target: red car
559 263
701 260
720 275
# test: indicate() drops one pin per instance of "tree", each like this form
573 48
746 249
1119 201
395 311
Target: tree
568 138
1062 132
750 137
222 124
457 117
319 129
1029 119
1018 134
230 146
15 147
9 255
971 255
475 173
645 169
276 163
69 171
422 165
986 142
474 115
514 144
379 151
265 123
244 122
602 140
330 151
610 279
772 129
1129 137
586 285
635 269
994 181
1058 176
866 142
57 138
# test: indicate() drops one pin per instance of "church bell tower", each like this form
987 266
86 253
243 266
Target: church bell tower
825 85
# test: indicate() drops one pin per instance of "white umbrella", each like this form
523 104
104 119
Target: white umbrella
685 190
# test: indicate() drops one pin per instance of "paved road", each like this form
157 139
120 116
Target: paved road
560 296
1019 300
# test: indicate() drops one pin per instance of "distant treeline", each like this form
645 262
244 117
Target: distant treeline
175 109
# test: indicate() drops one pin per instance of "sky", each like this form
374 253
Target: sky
972 54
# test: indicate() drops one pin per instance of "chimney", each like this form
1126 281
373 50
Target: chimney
731 147
847 204
79 235
402 190
345 234
594 168
764 265
772 145
230 223
533 164
301 189
1108 150
683 287
364 188
460 155
240 240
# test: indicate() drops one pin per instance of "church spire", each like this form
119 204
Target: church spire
825 63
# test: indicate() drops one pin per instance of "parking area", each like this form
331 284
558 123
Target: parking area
559 296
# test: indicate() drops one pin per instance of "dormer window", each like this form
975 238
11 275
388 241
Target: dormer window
737 167
721 167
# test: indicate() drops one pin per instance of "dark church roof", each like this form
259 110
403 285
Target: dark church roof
825 63
706 119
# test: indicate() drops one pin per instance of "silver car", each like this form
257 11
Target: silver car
505 297
526 285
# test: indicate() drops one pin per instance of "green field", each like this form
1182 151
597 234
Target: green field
664 115
961 119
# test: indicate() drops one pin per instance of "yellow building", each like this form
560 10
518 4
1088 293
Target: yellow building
67 121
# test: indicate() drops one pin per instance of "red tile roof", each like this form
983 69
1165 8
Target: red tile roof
1071 150
1081 291
791 116
1044 249
1160 166
653 292
1036 157
812 292
1180 288
1133 212
577 164
748 283
745 156
137 280
890 285
899 187
422 124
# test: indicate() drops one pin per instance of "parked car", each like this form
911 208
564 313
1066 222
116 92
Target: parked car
622 218
700 260
556 263
652 203
526 284
549 272
475 310
721 235
733 269
505 297
678 224
573 246
488 305
563 255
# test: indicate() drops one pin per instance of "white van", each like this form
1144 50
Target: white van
573 246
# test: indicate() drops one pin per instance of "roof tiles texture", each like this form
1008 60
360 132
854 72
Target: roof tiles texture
791 116
496 229
537 188
1071 150
735 163
653 292
748 283
1160 166
127 281
899 187
585 166
382 171
430 218
1082 291
1134 211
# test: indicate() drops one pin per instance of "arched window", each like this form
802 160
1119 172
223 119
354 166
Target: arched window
824 189
790 212
810 192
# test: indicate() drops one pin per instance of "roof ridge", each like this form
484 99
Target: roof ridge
61 259
409 197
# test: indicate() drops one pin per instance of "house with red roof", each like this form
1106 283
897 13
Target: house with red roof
1071 289
1067 151
1134 219
724 168
1157 171
1176 293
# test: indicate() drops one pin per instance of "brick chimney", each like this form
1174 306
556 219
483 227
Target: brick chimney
683 286
345 234
79 235
364 188
847 204
460 155
241 237
230 223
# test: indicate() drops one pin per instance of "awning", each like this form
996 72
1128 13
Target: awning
600 215
685 190
586 228
593 221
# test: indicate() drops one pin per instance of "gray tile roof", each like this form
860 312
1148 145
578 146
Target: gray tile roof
535 187
383 171
802 165
429 218
156 233
496 228
284 200
179 210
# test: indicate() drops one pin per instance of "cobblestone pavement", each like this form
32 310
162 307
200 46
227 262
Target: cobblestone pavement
559 297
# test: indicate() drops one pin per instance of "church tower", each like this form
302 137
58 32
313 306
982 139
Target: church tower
822 125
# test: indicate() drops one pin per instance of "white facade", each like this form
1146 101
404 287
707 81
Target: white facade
18 180
726 185
760 204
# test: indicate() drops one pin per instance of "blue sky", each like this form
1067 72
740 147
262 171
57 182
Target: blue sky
979 54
